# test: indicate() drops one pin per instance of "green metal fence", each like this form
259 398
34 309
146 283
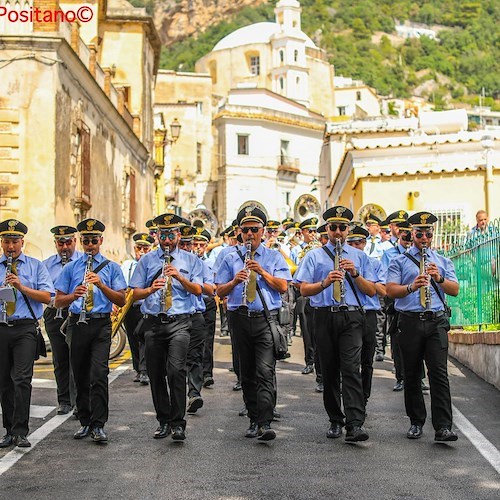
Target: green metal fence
477 264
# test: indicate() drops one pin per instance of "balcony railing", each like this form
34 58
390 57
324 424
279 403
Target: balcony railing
288 164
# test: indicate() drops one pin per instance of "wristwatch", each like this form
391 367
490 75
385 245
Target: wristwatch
354 276
441 280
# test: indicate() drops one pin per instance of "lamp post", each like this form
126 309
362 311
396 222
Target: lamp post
488 144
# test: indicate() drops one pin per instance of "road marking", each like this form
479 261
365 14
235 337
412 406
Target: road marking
42 432
44 383
483 446
38 411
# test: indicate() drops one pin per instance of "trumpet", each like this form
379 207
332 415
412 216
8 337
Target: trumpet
163 292
338 260
3 304
82 320
424 263
248 252
64 261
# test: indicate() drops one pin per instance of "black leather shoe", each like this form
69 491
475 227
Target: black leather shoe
98 435
75 413
319 387
208 382
252 431
379 357
424 386
276 414
414 432
194 404
7 440
445 435
243 412
137 377
335 431
21 442
143 379
266 433
308 369
163 431
399 386
179 434
237 386
64 409
82 432
355 434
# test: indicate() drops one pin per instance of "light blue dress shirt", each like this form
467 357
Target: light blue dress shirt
33 274
189 266
403 271
295 251
72 275
270 260
214 253
208 278
54 264
373 303
391 254
220 257
317 264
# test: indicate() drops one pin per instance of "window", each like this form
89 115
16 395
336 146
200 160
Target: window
341 110
284 152
198 157
255 65
84 160
131 206
295 55
297 82
199 107
358 95
282 56
242 144
282 83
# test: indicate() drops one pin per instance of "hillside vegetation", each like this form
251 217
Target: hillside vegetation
463 60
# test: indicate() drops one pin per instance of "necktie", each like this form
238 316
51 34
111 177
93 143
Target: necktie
168 287
89 300
11 306
422 288
373 245
336 284
252 283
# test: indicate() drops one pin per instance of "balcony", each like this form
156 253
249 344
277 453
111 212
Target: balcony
288 165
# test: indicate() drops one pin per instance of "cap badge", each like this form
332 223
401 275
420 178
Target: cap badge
62 230
250 209
90 224
424 217
12 224
314 220
340 211
167 219
401 214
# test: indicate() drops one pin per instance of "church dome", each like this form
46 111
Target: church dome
253 34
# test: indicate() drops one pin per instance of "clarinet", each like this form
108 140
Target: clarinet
3 305
64 261
248 251
338 254
428 292
163 292
82 320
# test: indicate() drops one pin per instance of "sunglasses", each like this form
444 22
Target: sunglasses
87 241
272 231
153 233
254 229
387 231
63 243
341 227
419 234
170 235
311 230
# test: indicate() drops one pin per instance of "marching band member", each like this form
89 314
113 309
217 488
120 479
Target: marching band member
26 280
65 243
374 241
419 281
237 280
90 285
143 243
166 279
338 280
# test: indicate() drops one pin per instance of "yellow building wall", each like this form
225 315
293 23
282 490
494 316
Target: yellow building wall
321 89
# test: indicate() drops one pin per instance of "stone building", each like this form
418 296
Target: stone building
76 122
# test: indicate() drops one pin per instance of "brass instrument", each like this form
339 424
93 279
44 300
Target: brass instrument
163 291
291 264
425 291
306 206
202 217
248 252
370 208
338 260
310 246
3 304
64 261
119 314
82 320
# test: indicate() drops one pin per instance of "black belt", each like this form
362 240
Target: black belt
244 311
17 322
335 309
166 318
423 316
91 315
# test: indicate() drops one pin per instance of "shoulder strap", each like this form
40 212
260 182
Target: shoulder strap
156 275
347 275
101 266
30 308
433 283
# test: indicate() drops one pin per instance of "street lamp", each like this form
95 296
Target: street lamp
175 129
488 143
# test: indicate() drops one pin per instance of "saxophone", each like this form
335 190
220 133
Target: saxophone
64 261
82 320
338 260
163 291
3 304
424 263
248 252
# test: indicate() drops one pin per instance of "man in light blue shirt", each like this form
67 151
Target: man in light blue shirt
419 281
65 243
90 286
28 284
252 331
167 279
338 289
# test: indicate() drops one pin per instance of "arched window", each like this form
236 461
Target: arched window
295 55
282 83
282 56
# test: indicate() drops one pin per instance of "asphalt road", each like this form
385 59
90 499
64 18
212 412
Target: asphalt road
217 462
